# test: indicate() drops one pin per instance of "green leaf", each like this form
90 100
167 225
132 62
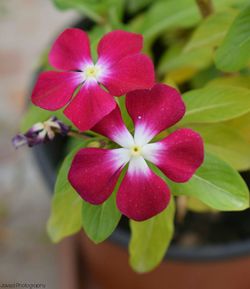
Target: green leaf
211 31
65 218
100 221
238 81
97 10
168 14
215 103
226 143
188 60
164 15
150 239
92 9
241 125
216 184
133 6
197 206
233 54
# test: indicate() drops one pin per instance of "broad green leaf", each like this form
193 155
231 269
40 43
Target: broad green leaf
211 31
217 185
65 218
150 239
100 221
215 104
133 6
226 143
168 14
238 81
97 10
233 54
36 114
241 125
164 15
175 64
197 206
203 77
91 9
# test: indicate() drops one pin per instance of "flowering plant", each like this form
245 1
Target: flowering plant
141 130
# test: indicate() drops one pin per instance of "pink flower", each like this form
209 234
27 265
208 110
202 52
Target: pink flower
120 68
142 194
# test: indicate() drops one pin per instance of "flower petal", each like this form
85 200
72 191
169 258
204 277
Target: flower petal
53 89
71 50
130 73
113 127
94 173
117 44
154 110
89 106
179 155
142 194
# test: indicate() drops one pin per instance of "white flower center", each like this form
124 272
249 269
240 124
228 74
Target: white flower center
92 72
136 150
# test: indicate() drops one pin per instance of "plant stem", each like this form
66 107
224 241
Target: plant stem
206 7
77 134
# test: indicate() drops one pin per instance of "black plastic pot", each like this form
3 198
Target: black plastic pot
49 157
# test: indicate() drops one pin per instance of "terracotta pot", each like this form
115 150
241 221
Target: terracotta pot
108 268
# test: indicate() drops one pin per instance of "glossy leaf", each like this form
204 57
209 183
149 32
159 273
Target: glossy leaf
96 10
233 54
211 31
217 185
169 14
133 6
65 218
242 126
183 62
150 239
226 143
238 81
215 104
164 15
100 221
197 206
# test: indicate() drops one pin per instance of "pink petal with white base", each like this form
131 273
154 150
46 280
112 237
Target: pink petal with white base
53 90
89 106
154 110
142 194
118 44
95 172
130 73
113 127
71 50
179 155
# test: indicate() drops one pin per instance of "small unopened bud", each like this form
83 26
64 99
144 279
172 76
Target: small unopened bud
41 132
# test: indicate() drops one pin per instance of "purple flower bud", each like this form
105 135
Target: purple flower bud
41 132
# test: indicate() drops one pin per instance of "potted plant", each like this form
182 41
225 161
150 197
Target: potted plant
201 49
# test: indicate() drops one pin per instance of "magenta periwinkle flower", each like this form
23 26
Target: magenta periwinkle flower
87 89
142 194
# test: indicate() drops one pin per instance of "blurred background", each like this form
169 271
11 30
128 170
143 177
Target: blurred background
26 254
